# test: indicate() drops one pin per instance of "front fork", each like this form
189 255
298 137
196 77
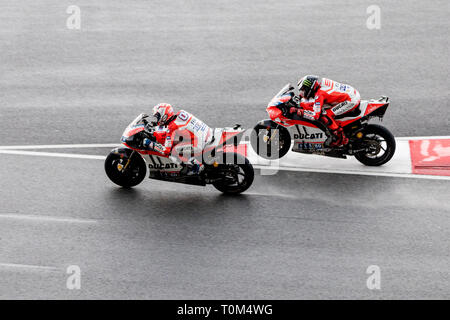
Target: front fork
268 137
123 168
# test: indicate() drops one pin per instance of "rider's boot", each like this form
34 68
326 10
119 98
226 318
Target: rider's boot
195 167
337 137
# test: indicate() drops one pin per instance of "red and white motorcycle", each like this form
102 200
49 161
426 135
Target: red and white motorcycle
371 144
224 166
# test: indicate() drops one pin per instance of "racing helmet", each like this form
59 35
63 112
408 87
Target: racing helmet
308 86
162 112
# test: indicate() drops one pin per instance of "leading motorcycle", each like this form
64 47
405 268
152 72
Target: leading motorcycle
224 166
371 144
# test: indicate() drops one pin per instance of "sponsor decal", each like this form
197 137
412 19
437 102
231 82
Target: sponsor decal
183 116
317 107
197 125
307 136
159 147
308 114
163 166
339 106
371 108
310 146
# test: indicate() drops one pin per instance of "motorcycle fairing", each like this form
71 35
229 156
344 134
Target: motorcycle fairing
159 163
307 139
368 108
224 138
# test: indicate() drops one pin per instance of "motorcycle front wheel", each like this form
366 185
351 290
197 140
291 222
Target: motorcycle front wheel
270 143
124 175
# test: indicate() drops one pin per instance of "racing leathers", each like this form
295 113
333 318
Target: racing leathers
191 135
330 100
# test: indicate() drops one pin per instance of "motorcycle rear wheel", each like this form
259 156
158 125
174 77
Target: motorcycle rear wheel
242 169
381 141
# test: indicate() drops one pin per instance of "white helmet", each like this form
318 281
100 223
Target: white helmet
162 112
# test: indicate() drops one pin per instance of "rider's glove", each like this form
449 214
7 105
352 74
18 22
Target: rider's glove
298 111
147 143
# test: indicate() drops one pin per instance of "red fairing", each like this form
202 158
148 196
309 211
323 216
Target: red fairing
276 115
227 135
141 151
344 123
371 107
240 149
274 112
160 136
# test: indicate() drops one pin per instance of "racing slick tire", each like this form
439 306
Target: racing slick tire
376 135
235 169
132 175
271 151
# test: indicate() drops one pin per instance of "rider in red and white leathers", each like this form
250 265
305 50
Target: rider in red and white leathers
191 133
322 99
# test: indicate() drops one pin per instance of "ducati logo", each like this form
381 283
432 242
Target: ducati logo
339 106
308 136
163 166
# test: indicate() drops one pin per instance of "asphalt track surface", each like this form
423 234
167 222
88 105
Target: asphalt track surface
293 235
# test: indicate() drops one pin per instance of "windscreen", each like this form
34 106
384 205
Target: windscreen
283 91
134 123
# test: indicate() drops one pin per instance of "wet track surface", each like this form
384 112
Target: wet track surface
223 61
293 235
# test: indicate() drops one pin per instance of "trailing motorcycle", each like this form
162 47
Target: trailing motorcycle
224 166
371 144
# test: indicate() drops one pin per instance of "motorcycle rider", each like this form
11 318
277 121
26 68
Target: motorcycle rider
322 99
175 124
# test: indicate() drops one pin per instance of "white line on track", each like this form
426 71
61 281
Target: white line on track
45 218
400 167
423 138
360 173
271 195
28 267
61 146
112 145
53 154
